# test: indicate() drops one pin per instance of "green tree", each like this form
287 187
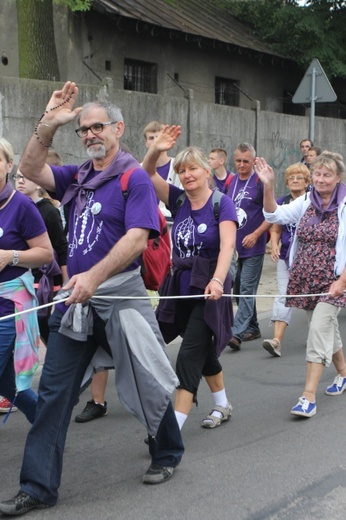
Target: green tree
36 43
298 32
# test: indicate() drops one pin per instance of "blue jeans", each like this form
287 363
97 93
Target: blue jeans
63 371
248 275
27 399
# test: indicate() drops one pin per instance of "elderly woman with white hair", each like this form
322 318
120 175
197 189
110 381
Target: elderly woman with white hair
317 266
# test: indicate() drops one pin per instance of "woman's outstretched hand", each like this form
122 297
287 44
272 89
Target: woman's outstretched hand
167 138
264 171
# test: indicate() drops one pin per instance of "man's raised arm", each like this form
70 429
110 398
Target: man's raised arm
58 112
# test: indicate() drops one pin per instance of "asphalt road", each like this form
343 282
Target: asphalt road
264 464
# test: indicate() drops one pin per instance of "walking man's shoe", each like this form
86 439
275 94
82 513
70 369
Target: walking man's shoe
249 336
20 504
157 474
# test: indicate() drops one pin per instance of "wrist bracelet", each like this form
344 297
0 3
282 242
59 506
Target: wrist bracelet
218 281
39 140
48 145
39 122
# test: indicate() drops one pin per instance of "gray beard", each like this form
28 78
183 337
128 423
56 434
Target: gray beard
96 152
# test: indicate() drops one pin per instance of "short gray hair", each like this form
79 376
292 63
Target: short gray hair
246 147
112 111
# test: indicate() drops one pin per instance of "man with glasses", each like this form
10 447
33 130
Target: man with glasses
107 234
246 191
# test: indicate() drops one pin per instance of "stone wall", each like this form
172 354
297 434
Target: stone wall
275 136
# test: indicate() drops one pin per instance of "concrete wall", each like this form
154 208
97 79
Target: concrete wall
196 66
275 136
85 41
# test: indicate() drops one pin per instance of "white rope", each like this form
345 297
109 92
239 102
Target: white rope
157 297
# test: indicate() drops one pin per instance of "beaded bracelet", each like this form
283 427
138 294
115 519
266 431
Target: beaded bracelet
44 124
38 137
217 280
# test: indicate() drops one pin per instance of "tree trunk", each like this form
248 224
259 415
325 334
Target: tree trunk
37 53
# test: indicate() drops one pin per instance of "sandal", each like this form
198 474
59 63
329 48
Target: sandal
212 421
272 346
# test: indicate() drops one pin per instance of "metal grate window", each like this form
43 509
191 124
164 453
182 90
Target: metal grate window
226 92
140 76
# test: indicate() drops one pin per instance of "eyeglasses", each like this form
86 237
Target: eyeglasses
95 129
295 178
18 177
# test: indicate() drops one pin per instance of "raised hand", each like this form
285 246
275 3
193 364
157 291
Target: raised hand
264 171
167 138
60 106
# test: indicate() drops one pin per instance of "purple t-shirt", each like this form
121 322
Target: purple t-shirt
163 171
196 232
247 196
106 217
288 231
220 184
20 221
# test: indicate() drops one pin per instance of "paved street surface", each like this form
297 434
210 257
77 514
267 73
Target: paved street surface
262 465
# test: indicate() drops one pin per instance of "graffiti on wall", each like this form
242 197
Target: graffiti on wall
284 154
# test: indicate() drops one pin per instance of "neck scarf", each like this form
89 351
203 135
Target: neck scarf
5 193
122 162
316 200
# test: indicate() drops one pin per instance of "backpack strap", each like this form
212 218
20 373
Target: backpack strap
124 182
178 203
216 198
228 181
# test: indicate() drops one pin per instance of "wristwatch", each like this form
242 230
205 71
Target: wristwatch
15 258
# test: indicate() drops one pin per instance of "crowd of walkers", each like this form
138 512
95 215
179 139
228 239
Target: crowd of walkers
220 223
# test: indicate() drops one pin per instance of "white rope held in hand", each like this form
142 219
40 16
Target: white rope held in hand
158 297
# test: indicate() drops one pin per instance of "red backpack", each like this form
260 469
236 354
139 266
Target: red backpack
156 259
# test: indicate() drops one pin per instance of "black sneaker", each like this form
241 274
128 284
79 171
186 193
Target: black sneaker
92 411
21 504
157 474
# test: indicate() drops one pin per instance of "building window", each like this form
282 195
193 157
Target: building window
226 92
140 76
107 65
